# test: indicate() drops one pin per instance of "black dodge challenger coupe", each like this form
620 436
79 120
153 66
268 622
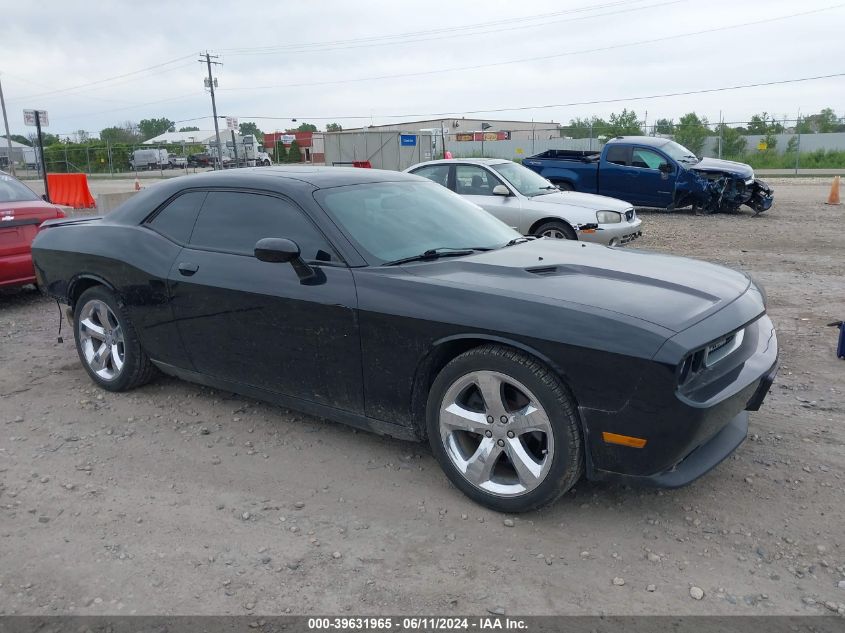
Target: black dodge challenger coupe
385 301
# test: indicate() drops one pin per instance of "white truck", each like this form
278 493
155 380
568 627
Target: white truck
142 159
254 152
249 152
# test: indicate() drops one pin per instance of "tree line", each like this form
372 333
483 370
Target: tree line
692 130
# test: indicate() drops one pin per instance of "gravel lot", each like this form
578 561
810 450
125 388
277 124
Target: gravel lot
177 499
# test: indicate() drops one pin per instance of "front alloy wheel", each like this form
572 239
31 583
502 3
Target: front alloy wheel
504 428
496 433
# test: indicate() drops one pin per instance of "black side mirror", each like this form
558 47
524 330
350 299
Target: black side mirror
282 250
276 250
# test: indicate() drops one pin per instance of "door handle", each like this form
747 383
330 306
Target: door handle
187 268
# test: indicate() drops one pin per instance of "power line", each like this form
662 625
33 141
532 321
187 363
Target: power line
554 105
427 31
440 34
106 80
542 57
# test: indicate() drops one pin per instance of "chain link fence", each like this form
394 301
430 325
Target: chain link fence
116 160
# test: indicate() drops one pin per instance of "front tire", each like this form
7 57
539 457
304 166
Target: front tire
504 429
556 230
107 343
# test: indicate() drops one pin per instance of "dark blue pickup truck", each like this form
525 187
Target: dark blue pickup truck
650 171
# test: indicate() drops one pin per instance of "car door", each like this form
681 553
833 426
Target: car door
476 183
257 323
616 177
652 180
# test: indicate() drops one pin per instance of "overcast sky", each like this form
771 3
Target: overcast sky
277 63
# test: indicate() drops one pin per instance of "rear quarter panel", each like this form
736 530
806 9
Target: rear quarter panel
131 260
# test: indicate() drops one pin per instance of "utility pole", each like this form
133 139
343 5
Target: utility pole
208 63
8 137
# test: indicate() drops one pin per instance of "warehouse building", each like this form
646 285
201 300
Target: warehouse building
20 154
464 129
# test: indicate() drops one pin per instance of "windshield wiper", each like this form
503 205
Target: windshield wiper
437 253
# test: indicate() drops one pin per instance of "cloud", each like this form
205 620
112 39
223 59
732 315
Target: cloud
53 46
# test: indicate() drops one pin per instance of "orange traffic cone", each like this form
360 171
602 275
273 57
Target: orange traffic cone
137 184
833 198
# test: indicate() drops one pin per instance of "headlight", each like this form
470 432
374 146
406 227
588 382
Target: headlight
608 217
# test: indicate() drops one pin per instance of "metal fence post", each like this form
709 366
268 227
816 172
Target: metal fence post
798 146
88 158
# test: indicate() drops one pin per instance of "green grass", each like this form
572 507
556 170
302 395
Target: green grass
820 159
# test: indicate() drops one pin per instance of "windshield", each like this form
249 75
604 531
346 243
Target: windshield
526 182
12 190
679 152
394 220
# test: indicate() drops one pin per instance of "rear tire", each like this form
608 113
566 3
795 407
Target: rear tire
556 230
107 343
504 429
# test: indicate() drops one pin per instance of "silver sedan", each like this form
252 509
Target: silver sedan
531 204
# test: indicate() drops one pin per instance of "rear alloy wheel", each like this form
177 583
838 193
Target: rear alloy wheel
556 230
504 429
106 342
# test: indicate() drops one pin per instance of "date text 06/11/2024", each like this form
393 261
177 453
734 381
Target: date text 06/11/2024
419 623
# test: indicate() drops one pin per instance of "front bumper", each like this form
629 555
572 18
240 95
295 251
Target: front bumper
617 234
713 452
691 431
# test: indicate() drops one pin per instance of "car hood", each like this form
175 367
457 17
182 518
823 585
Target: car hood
583 200
727 166
668 291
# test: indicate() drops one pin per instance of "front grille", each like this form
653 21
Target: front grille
629 215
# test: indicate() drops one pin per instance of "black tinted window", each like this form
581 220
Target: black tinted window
177 219
234 222
617 154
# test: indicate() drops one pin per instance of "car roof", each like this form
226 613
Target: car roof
319 176
649 141
471 161
283 179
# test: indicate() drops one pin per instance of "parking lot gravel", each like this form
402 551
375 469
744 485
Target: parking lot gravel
178 499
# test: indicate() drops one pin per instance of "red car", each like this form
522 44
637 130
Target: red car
21 213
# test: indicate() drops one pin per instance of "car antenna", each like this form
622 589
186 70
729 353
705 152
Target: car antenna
59 338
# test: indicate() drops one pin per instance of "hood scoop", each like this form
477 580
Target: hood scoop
542 271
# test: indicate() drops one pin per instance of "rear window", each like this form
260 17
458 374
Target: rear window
13 190
177 219
618 154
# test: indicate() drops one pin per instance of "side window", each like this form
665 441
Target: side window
617 154
177 219
233 222
647 159
471 180
435 173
